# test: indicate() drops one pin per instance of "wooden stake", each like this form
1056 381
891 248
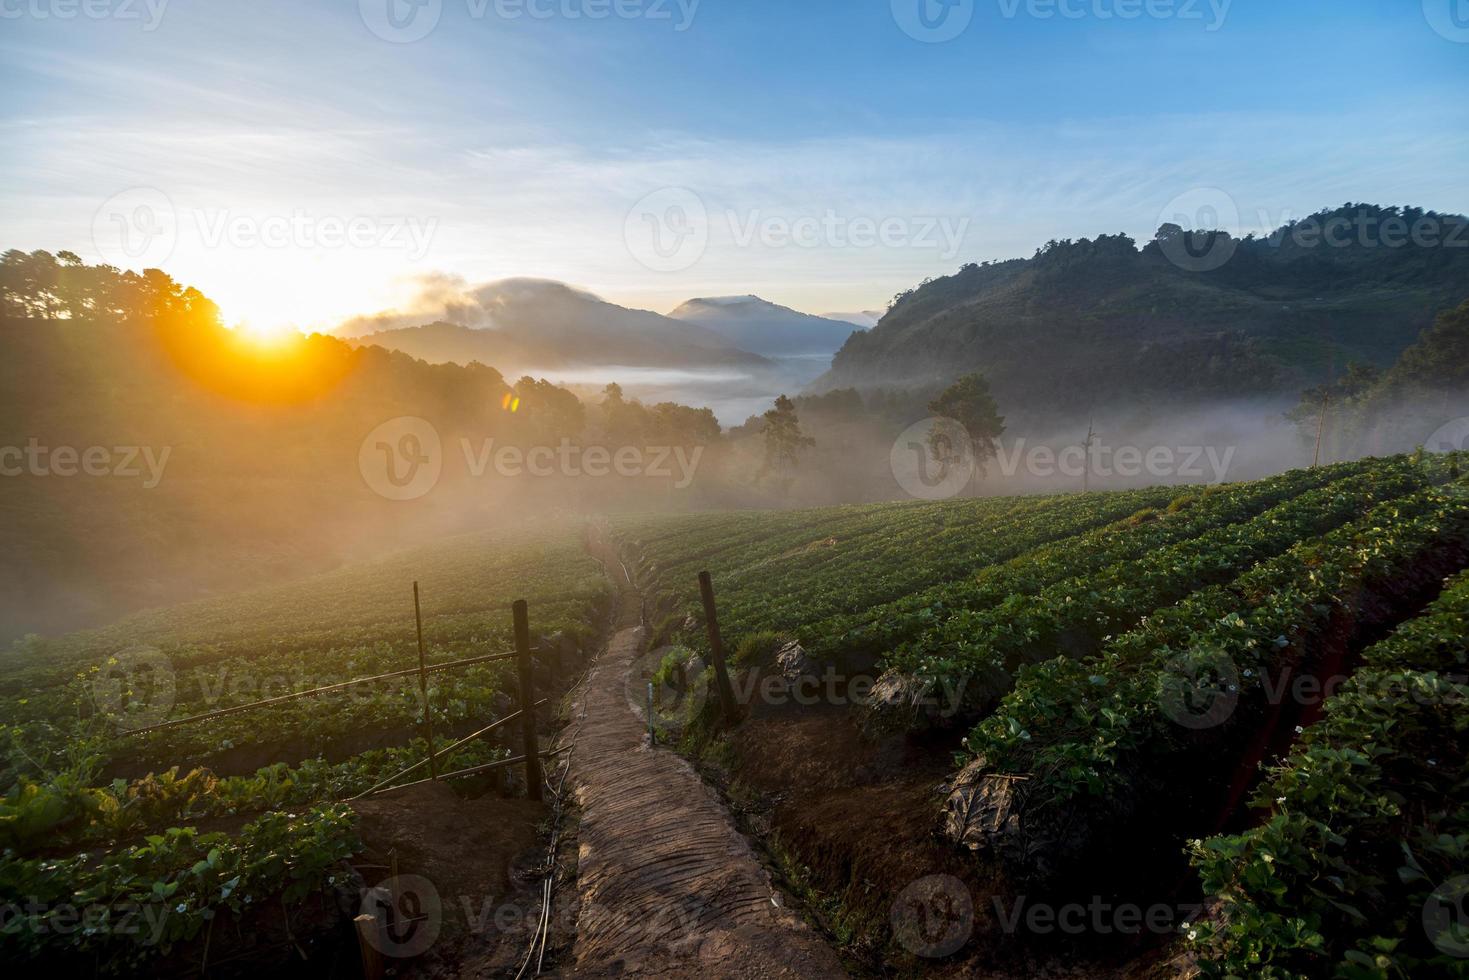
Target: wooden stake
521 616
368 937
1320 428
428 716
1086 469
716 649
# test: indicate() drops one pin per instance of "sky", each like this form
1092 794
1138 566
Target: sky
302 163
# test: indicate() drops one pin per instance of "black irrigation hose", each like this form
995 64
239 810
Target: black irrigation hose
537 949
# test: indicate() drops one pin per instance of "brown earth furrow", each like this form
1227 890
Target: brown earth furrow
667 885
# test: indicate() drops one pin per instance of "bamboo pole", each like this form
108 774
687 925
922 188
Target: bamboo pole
527 696
368 939
716 649
428 715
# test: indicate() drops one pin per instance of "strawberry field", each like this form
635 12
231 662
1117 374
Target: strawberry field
1245 696
143 841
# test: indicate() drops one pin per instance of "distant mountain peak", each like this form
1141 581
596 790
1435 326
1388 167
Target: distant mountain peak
727 300
755 324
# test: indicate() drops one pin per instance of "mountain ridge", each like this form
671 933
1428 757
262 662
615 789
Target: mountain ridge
541 324
1088 323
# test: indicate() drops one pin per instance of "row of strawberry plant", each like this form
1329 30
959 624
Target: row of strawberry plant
71 810
132 685
1355 869
909 555
1072 617
115 915
1116 733
1187 515
906 551
819 537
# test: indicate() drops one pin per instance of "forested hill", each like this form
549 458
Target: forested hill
1188 317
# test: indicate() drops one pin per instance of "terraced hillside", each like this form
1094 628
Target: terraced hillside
1078 693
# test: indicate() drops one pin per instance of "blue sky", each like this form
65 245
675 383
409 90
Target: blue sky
306 162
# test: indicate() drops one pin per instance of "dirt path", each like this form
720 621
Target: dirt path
667 887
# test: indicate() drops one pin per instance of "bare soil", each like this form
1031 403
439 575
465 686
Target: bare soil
666 886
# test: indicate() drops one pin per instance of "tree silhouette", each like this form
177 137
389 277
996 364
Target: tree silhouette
784 439
968 401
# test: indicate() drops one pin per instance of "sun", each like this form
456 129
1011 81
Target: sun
267 334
